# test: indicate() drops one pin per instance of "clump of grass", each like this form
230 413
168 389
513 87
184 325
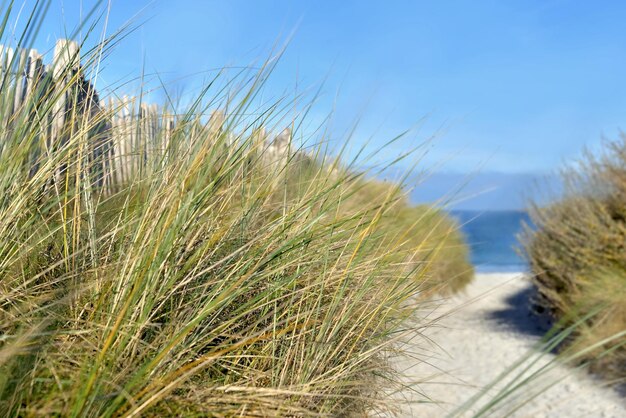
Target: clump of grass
426 228
220 283
578 260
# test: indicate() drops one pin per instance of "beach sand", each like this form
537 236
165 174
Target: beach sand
479 335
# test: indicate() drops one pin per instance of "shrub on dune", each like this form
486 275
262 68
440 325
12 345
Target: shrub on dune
578 258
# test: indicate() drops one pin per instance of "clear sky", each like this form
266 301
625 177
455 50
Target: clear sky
510 86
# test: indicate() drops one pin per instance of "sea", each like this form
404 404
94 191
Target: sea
493 238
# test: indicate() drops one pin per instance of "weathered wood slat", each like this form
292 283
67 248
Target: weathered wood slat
20 80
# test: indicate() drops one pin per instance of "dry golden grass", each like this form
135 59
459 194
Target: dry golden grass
220 283
578 257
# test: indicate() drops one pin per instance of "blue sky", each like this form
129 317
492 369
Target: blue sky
514 87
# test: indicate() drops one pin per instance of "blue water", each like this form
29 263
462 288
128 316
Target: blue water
492 236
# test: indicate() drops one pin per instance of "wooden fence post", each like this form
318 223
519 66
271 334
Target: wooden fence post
6 60
66 59
34 74
20 80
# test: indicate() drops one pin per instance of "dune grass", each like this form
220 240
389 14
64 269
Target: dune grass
577 256
221 282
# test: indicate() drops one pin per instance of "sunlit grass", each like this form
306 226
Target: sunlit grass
223 281
578 259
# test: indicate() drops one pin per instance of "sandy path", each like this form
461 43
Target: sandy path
487 330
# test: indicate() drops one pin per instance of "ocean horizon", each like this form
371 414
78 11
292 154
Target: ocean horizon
492 236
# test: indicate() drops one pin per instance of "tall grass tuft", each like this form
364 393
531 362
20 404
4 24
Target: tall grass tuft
225 280
577 256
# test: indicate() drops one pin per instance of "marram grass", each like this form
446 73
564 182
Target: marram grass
577 256
221 283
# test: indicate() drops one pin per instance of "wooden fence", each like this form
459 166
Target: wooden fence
125 136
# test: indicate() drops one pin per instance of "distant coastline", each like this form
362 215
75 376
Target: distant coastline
494 190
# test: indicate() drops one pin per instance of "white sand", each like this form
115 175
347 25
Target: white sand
488 328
